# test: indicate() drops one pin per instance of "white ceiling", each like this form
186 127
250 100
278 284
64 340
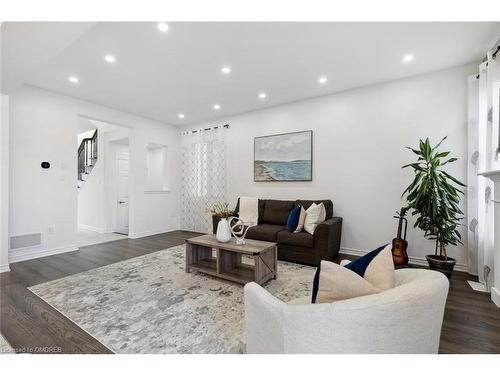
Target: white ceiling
27 46
159 75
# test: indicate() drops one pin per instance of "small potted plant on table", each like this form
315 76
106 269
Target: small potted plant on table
434 197
220 213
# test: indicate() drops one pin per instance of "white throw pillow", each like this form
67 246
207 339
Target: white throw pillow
380 271
315 215
334 282
302 218
337 283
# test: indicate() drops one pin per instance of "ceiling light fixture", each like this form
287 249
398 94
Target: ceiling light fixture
262 95
407 58
73 79
226 70
110 59
216 107
163 27
181 115
323 80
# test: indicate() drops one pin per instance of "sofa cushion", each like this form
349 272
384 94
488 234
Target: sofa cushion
326 202
276 212
302 239
264 232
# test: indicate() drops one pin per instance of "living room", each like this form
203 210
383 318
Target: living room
258 187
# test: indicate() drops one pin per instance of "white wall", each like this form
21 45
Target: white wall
43 127
358 151
4 185
83 135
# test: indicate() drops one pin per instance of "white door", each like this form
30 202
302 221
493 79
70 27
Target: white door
122 203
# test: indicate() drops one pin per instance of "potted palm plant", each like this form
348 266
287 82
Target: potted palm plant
434 197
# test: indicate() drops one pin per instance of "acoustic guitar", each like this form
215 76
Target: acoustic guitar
399 244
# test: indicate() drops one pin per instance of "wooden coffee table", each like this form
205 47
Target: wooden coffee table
205 254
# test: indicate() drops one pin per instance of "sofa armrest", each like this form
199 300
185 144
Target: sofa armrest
263 321
327 238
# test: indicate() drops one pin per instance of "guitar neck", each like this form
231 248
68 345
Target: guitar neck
400 227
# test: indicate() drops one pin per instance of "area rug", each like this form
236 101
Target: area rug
149 304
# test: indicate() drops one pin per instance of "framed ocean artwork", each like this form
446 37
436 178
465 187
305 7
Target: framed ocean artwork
283 157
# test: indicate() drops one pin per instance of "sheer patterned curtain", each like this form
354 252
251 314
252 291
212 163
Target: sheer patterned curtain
203 181
483 156
472 177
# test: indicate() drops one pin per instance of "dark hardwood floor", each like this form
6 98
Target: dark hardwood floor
471 322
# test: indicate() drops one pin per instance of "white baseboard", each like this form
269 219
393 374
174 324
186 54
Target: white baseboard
151 233
495 296
418 261
91 228
27 253
4 268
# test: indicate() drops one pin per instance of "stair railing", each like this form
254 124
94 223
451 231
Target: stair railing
87 154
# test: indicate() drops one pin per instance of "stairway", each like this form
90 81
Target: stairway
87 159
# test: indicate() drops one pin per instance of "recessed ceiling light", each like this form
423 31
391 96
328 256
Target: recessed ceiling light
163 27
407 58
181 115
262 95
216 107
110 59
323 80
225 70
73 79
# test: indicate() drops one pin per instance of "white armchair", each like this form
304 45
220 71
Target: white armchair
404 319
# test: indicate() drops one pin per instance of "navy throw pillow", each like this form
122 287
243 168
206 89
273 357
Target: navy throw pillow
359 266
293 219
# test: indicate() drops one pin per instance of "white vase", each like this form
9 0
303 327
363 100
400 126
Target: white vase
223 231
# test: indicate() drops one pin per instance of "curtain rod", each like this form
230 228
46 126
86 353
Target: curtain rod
495 53
205 129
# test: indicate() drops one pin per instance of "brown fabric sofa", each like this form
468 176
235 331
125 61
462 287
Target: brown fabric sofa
300 247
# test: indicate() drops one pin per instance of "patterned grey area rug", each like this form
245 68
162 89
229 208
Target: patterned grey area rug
149 304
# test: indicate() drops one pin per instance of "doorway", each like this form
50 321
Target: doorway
103 182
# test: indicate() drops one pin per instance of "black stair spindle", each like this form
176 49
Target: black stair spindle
87 155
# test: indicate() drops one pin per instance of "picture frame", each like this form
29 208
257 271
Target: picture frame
284 157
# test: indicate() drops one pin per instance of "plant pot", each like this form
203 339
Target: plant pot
439 263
